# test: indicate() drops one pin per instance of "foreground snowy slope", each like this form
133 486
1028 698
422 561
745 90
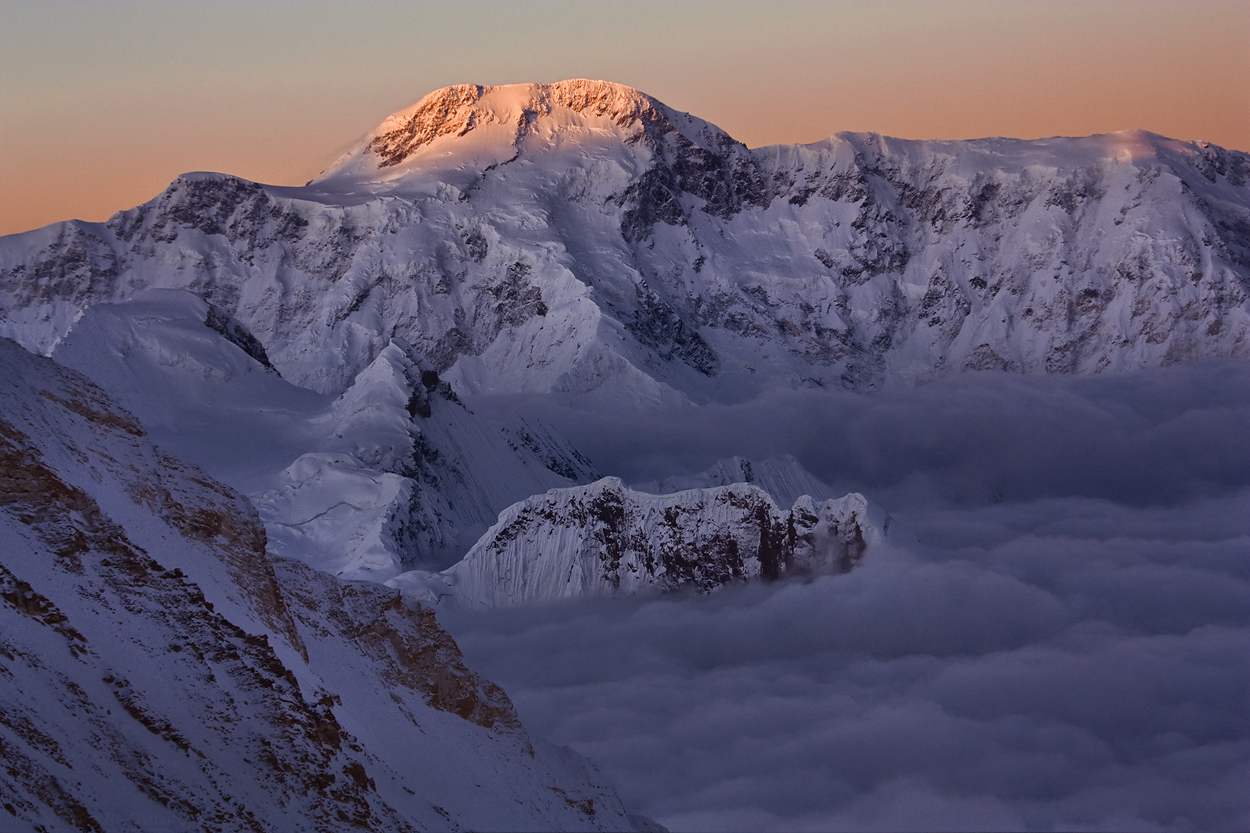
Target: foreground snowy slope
158 672
582 237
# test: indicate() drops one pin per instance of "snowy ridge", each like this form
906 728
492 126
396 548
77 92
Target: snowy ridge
583 238
175 656
405 476
604 538
162 674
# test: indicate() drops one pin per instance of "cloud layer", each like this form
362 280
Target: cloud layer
1064 645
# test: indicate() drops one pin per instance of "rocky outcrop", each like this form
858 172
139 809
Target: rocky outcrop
604 539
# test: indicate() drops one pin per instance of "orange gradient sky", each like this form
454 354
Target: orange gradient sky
103 103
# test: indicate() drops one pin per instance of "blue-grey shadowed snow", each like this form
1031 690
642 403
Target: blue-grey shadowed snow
1066 645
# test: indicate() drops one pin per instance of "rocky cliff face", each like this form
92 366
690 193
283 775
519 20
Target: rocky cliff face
159 672
604 538
582 237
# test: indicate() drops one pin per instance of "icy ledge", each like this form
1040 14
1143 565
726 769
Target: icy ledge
605 539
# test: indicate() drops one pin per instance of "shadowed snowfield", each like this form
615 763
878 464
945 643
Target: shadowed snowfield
1064 644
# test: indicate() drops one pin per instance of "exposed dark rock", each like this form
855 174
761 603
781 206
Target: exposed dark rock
237 334
657 325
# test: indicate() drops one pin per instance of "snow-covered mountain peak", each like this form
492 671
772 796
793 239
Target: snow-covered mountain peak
465 119
582 238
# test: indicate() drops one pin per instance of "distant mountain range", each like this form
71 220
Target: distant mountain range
583 237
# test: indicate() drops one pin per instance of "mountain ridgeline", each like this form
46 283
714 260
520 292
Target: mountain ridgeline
582 237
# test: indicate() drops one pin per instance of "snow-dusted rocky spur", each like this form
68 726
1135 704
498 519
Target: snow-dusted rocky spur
605 538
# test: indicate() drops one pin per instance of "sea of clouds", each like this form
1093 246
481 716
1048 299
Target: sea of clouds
1057 636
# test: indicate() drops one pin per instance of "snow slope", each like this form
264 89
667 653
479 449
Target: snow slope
582 237
199 394
605 538
393 474
405 475
159 672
